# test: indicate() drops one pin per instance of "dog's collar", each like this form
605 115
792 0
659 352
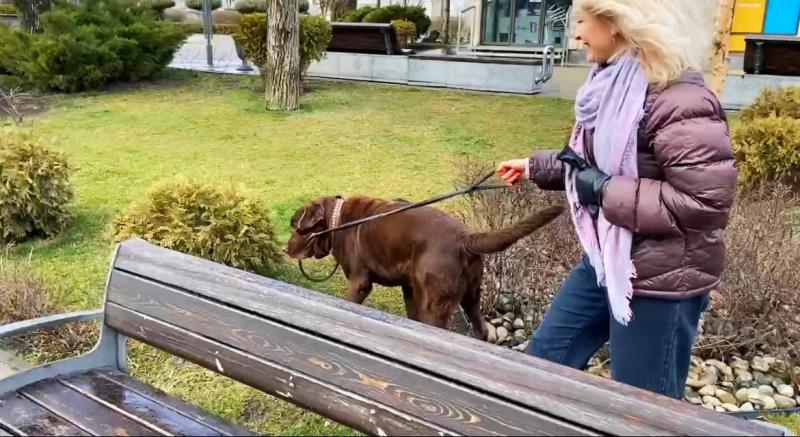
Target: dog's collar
336 217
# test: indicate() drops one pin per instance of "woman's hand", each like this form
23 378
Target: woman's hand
514 171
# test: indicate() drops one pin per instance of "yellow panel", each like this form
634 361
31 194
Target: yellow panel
737 43
748 16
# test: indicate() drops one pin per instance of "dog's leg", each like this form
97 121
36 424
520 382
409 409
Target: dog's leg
471 303
411 307
359 289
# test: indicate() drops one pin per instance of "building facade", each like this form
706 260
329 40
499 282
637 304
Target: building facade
775 17
520 24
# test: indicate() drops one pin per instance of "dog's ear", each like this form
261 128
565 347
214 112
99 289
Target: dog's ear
311 216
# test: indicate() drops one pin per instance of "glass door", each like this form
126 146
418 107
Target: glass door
513 22
497 28
527 22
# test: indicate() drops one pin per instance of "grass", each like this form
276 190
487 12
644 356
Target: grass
790 421
383 141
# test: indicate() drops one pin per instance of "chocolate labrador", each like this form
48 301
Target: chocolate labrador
436 260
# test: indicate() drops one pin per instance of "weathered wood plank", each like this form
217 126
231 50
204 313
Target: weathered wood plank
82 411
146 411
209 420
406 389
325 399
564 393
23 417
375 38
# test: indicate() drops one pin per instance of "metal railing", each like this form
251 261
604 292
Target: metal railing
548 65
471 27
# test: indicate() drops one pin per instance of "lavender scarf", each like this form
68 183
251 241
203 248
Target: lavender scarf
612 103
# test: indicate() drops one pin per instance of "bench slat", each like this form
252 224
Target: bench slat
23 417
559 392
414 392
315 395
209 420
87 414
156 415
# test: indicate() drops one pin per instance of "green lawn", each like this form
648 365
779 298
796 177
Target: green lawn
378 140
791 421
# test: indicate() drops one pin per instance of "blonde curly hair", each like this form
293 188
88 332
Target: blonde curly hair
672 35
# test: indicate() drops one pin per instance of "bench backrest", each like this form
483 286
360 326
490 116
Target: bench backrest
373 38
373 371
772 54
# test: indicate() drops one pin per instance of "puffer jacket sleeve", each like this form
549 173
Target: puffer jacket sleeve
546 171
688 133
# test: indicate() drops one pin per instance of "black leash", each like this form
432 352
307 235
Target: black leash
317 280
477 186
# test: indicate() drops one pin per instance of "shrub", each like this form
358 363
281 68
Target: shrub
357 15
93 43
768 149
315 34
250 6
548 256
201 220
189 28
8 10
225 29
226 16
756 307
197 5
303 6
381 15
13 46
414 14
159 6
35 193
24 295
774 102
405 31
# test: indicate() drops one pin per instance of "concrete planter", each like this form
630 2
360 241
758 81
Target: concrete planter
433 71
9 20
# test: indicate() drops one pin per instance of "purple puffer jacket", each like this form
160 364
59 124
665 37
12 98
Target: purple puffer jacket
679 207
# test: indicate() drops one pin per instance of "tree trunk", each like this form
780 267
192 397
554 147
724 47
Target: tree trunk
283 56
445 25
720 56
30 11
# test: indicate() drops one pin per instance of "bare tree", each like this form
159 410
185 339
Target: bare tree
283 56
11 102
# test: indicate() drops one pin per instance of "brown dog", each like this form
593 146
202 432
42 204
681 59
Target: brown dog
435 259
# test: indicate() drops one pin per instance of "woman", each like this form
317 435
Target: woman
650 179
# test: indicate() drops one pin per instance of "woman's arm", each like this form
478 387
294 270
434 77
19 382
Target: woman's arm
699 183
546 171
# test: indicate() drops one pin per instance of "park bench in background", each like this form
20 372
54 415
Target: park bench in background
372 38
372 371
772 54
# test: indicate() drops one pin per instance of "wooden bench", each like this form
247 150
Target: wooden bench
372 371
772 54
371 38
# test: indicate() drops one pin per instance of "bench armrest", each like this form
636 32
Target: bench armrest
26 326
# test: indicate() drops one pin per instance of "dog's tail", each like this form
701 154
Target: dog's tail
484 243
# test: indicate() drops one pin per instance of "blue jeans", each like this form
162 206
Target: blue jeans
653 352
